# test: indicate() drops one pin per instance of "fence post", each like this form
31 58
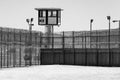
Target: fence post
74 46
30 44
108 17
40 53
25 48
97 56
1 47
119 39
20 48
63 46
7 44
34 59
10 46
85 49
4 48
14 46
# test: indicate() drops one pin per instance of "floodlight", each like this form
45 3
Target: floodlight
27 20
108 17
31 19
91 20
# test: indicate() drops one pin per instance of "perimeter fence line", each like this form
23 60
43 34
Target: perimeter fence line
17 49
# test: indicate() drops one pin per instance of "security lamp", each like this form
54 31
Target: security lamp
108 17
27 20
31 19
91 20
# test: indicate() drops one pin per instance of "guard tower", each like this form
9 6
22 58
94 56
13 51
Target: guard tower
49 17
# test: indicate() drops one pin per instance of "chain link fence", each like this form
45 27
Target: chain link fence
96 48
20 48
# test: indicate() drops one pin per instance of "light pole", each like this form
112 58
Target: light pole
91 21
109 18
119 31
29 21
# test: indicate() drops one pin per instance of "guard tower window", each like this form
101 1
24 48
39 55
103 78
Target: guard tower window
40 13
44 13
54 13
49 13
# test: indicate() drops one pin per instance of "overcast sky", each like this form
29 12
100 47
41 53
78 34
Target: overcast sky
75 16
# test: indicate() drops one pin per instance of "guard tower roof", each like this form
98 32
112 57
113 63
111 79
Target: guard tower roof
49 9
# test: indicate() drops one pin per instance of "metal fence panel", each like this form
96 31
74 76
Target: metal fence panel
74 48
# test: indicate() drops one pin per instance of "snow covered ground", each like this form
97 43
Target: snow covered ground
60 72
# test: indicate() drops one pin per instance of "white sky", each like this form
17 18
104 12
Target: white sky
75 16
